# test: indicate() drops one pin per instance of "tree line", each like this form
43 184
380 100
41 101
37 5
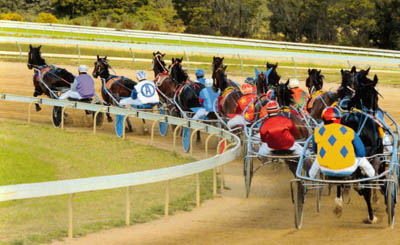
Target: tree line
367 23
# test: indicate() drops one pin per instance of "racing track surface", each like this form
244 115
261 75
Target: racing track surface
265 218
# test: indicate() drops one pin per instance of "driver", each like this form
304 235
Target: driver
339 149
144 93
278 132
83 86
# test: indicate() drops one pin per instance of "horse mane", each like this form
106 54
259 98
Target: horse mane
284 94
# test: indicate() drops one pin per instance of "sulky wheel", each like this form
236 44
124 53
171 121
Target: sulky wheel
119 125
391 201
57 111
99 118
298 199
248 173
186 139
163 126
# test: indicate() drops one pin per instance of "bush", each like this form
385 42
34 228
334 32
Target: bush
46 18
11 16
151 26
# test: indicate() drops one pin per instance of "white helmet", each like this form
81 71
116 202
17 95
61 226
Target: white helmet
141 75
82 68
293 83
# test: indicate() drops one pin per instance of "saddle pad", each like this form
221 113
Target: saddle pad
111 81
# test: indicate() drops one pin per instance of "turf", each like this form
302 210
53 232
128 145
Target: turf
37 153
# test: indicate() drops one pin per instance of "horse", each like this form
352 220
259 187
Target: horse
316 104
230 93
268 80
165 85
113 87
217 62
54 78
315 81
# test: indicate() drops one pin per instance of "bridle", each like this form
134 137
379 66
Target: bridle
157 58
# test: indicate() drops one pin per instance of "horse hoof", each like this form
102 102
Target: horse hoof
109 119
38 108
145 130
369 221
338 207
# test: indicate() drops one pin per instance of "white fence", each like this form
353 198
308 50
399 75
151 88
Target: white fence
52 188
205 39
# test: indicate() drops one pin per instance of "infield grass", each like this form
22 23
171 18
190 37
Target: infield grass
37 153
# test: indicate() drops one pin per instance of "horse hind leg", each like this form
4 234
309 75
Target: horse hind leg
338 202
145 129
372 219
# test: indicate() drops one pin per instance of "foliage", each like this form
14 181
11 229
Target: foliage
11 16
46 18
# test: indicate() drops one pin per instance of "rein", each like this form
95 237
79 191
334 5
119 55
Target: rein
159 62
54 75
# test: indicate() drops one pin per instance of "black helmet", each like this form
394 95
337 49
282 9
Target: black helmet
249 80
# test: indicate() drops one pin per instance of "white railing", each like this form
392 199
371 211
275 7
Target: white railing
240 52
62 187
205 39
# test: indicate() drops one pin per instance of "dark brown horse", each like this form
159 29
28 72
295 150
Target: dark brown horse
268 80
165 85
54 78
320 102
315 81
230 93
113 88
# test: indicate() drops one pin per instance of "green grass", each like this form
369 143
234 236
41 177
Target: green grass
32 153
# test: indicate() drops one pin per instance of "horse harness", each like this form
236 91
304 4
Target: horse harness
43 70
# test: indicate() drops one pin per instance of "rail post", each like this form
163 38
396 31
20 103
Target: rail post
295 68
133 57
166 211
123 123
128 206
206 144
191 139
95 118
70 221
62 114
30 107
79 54
241 64
214 182
174 138
152 130
197 190
20 51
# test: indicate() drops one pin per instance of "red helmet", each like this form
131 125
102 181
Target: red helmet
331 115
272 108
271 94
246 88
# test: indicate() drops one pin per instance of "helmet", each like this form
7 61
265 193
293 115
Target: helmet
271 94
272 108
344 105
293 83
141 75
249 80
246 88
331 115
199 73
82 68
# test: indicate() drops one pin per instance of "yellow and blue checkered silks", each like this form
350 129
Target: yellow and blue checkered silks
335 146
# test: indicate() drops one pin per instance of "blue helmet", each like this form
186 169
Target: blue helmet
199 73
141 75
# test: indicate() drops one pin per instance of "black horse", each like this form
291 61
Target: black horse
315 81
187 92
113 87
54 78
366 98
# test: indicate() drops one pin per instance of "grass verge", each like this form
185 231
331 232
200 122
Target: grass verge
32 153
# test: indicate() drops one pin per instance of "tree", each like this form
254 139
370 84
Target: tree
387 32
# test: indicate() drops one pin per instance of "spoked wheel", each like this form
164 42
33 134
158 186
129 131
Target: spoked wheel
163 126
248 173
119 125
391 201
57 110
186 139
298 200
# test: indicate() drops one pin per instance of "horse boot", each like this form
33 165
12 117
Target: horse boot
37 107
338 206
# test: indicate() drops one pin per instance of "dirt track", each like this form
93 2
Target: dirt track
265 218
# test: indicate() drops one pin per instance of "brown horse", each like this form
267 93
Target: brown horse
113 88
314 81
320 102
165 85
54 78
